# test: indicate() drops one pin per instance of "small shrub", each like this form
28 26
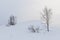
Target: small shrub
12 20
33 29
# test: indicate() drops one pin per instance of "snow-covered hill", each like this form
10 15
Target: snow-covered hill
20 32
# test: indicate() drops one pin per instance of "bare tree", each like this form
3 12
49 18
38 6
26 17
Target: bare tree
46 15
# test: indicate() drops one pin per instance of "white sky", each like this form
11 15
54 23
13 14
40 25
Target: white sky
27 10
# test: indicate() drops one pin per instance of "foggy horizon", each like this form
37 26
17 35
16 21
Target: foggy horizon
26 10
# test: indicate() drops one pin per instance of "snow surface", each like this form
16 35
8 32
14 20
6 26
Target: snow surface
20 32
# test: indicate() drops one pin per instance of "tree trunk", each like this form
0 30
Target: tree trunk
47 21
48 26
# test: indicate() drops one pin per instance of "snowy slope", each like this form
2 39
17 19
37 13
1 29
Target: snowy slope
20 32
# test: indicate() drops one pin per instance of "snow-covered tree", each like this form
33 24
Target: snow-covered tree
46 15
